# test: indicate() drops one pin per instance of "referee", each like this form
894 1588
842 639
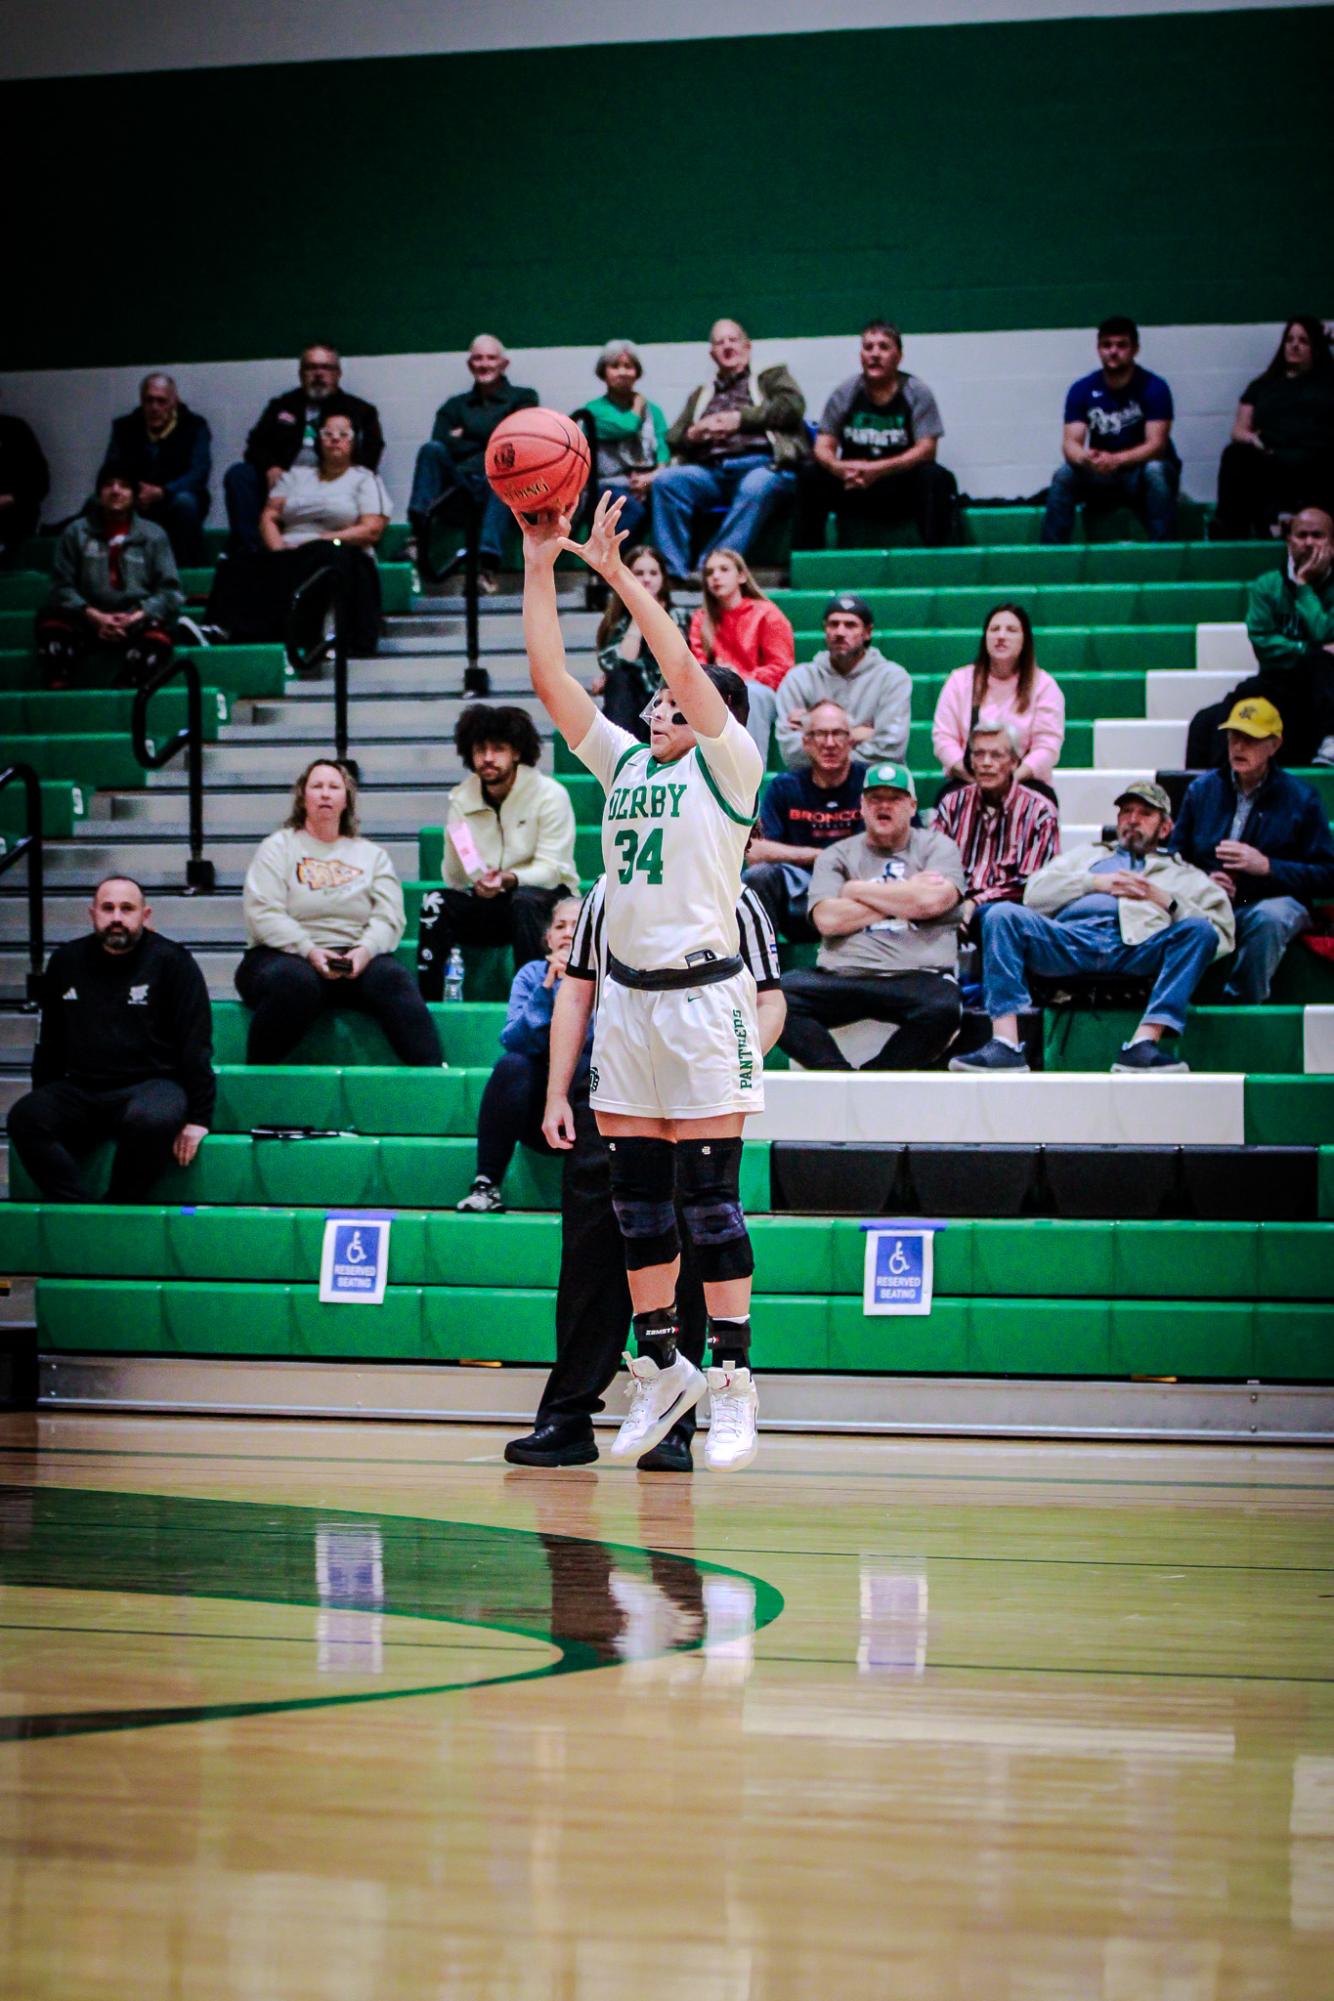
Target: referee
593 1297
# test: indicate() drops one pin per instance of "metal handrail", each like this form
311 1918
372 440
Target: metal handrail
199 873
31 847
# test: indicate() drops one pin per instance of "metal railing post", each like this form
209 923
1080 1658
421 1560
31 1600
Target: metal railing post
200 873
476 680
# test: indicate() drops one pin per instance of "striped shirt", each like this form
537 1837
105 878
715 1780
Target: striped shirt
1002 846
757 946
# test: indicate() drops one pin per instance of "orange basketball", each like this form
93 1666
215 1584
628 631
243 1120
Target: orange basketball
537 462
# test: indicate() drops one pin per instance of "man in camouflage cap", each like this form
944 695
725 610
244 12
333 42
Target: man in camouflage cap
1123 908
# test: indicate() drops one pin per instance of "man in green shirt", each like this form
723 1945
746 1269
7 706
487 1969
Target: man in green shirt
449 479
1290 619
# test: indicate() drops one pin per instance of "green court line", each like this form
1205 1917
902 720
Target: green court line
533 1585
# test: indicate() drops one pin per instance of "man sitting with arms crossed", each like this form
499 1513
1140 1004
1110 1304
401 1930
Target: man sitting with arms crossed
1263 837
876 692
1004 831
801 814
886 904
1131 910
125 1052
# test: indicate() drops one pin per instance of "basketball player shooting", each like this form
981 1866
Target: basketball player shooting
677 1064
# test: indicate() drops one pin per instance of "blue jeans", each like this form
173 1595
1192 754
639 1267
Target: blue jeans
510 1113
435 475
750 486
1017 942
635 511
1151 489
1264 932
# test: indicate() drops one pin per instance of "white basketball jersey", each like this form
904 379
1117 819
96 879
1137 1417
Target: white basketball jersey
673 840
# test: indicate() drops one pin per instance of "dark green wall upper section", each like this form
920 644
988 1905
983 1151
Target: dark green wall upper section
1016 175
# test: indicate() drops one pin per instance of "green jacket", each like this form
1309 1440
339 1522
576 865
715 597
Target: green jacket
1286 621
778 414
81 572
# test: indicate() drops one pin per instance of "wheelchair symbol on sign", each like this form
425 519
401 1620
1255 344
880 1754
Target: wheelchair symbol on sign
898 1261
355 1253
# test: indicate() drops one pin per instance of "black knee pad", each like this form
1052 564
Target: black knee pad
643 1187
708 1173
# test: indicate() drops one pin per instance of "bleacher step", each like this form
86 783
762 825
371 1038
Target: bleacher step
1040 1109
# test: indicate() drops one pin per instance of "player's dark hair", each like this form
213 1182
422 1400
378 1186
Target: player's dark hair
483 722
732 689
1321 359
1118 323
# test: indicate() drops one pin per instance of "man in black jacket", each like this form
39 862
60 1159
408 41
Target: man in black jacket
24 483
286 435
165 450
125 1052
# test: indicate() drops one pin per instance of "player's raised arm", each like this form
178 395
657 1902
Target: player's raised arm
570 707
699 701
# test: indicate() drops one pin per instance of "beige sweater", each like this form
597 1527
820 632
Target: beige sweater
533 833
301 892
1067 878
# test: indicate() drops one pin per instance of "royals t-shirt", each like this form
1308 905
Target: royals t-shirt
869 430
806 815
1115 418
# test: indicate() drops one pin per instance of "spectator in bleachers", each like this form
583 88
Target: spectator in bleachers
886 905
627 675
1282 452
24 484
737 626
326 516
802 813
875 462
510 1113
1263 837
449 484
1004 830
1128 911
736 444
876 693
323 917
631 434
1006 685
124 1052
1290 620
509 847
116 593
165 449
1117 442
287 435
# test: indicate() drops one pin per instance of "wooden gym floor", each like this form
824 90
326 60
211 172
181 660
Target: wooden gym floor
299 1712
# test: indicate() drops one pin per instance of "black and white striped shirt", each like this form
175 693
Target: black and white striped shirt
758 947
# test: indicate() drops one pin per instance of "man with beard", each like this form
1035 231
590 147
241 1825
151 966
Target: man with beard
125 1052
876 693
1125 908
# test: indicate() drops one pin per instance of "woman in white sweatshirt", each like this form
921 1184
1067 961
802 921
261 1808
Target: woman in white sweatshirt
323 914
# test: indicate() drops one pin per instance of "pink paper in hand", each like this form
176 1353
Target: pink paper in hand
465 847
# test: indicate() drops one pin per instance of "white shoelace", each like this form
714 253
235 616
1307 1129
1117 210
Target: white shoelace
728 1419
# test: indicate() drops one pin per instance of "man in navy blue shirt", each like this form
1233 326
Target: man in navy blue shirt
801 813
1263 837
1117 442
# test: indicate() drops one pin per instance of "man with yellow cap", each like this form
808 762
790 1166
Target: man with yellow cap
1263 837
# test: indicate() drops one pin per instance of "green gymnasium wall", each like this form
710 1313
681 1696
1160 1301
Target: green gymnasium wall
964 178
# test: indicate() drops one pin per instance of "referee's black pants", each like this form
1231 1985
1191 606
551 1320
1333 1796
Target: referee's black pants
593 1297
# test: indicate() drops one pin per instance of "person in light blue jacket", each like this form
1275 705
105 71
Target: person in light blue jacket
512 1103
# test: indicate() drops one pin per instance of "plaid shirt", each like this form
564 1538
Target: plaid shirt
1001 846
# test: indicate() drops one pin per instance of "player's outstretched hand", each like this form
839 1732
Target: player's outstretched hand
544 536
558 1124
602 550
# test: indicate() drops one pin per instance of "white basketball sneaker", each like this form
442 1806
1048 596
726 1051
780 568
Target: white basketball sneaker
734 1407
657 1398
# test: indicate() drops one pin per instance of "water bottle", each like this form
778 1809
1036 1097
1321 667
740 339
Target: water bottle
454 975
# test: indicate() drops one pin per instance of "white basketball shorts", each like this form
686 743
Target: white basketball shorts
691 1053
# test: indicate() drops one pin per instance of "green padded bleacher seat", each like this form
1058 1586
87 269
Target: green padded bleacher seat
1019 567
236 670
103 711
469 1034
92 761
1266 1038
63 803
1062 650
1289 1111
910 608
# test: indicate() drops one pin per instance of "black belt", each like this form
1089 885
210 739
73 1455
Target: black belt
672 978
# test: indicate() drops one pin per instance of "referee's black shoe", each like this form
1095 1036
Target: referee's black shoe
670 1455
554 1445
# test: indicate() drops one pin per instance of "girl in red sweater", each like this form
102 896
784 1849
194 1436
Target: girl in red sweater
737 626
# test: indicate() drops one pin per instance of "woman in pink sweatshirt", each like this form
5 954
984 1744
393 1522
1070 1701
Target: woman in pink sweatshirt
737 626
1004 684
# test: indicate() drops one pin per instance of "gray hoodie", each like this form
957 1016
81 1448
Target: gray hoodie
877 691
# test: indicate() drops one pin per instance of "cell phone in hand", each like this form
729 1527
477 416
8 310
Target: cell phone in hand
337 963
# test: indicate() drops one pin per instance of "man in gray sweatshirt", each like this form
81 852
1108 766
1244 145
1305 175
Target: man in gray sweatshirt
876 693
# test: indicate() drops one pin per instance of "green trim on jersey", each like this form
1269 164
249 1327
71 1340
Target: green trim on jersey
624 759
742 819
652 768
